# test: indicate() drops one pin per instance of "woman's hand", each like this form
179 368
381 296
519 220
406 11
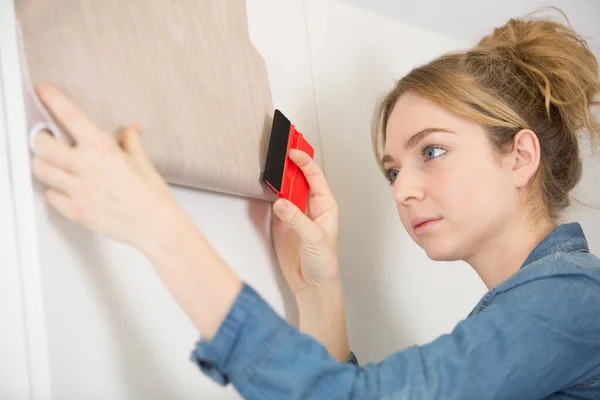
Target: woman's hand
109 187
114 190
306 246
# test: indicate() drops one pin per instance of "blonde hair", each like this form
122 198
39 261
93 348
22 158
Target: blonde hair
533 74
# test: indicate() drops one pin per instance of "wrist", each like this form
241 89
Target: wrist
169 228
326 293
322 316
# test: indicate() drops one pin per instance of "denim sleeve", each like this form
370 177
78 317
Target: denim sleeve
505 352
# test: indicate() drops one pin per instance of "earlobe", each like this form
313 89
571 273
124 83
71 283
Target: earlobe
526 153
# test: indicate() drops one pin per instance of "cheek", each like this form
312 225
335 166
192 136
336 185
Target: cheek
466 189
404 217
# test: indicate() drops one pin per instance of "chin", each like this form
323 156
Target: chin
440 251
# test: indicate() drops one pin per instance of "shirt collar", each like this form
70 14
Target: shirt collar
564 238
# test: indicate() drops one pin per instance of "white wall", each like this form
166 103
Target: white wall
114 332
23 348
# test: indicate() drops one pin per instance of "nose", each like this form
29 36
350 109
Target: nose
408 187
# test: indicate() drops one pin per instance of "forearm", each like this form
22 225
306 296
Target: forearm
322 316
195 274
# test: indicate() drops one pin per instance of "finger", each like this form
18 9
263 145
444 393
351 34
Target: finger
131 143
314 175
61 203
55 152
125 132
291 216
53 176
68 114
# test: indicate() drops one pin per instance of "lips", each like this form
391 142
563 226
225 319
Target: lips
417 222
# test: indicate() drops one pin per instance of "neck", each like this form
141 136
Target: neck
504 253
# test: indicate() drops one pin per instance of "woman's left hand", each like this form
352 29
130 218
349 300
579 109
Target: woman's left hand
108 186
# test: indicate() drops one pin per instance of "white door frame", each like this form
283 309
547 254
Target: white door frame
23 328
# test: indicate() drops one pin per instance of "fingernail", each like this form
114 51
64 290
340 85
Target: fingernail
281 207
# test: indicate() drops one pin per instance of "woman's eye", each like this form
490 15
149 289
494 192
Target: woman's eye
431 152
391 175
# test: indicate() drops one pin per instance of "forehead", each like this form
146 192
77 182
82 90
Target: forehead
413 113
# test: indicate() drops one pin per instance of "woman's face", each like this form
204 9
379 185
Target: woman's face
453 194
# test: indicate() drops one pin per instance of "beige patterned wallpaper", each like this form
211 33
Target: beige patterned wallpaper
185 70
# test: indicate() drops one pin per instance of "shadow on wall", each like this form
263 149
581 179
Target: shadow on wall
260 215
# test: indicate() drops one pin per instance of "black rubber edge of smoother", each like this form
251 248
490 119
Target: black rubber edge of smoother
277 153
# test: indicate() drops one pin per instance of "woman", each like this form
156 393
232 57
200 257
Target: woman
480 149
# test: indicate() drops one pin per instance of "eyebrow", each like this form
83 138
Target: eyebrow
415 139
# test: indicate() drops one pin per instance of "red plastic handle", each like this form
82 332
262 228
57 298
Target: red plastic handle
295 186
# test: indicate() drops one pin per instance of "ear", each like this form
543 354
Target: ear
525 157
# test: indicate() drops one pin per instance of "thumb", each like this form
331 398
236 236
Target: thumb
291 216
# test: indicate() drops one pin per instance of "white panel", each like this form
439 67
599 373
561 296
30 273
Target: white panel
13 344
23 269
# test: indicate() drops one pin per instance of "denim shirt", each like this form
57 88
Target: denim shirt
536 335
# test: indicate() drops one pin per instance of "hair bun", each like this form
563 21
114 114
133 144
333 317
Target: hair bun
518 32
555 59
